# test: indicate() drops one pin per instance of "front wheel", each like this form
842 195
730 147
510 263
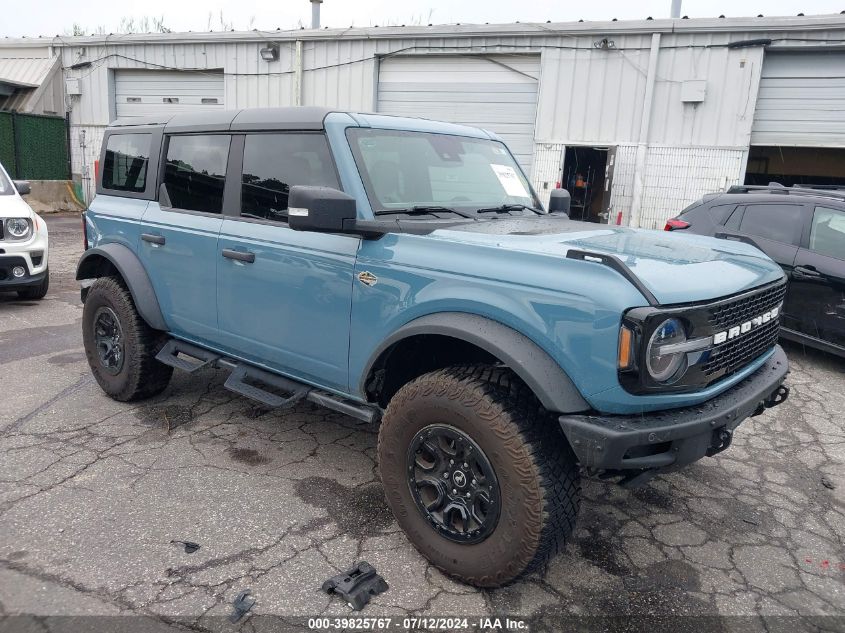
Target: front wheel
478 474
120 346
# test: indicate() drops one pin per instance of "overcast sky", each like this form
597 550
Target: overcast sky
52 17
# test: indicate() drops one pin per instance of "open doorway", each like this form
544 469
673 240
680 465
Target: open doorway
584 173
795 166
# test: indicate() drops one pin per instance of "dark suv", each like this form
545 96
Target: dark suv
803 230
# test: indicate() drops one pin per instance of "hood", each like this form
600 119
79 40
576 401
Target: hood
14 207
675 267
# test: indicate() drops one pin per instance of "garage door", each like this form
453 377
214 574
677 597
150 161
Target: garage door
801 100
498 93
166 92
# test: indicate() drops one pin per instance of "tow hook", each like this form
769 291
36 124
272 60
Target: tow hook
721 439
778 396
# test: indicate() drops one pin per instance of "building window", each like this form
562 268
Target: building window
125 166
195 172
275 162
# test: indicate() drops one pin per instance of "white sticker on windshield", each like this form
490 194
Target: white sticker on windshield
510 180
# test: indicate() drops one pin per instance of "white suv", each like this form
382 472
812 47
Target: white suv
23 242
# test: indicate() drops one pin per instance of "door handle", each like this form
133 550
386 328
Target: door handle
805 272
241 256
157 240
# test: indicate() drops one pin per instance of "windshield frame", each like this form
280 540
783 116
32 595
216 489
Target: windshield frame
7 185
352 132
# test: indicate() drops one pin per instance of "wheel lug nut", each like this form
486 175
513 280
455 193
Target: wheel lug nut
467 495
454 492
474 482
466 465
445 475
452 462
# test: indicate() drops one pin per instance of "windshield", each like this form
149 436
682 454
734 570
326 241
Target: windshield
5 186
403 170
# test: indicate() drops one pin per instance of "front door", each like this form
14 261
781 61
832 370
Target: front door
284 296
179 232
818 278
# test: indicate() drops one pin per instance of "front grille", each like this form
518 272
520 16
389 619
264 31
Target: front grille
730 357
736 354
733 312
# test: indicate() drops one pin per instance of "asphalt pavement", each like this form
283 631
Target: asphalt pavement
92 492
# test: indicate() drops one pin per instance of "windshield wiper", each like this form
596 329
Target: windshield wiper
509 207
424 210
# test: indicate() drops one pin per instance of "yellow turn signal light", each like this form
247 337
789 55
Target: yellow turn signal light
626 346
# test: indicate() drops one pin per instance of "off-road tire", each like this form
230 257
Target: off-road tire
36 293
536 469
141 375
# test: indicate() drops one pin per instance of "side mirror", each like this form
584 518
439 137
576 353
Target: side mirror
560 201
321 209
23 187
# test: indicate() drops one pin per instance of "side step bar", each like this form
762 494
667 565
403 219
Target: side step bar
169 355
246 379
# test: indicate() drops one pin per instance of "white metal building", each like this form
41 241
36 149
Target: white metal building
642 117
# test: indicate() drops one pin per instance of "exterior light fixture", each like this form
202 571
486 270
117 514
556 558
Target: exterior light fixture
270 53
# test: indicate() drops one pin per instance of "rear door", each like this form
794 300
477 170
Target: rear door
179 232
774 228
284 296
817 286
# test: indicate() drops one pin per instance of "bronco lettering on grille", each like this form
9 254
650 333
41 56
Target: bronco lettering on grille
747 326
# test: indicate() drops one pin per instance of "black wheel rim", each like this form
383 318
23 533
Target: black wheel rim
108 338
453 484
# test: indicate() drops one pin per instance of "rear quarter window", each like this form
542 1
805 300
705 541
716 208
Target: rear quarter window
721 212
126 162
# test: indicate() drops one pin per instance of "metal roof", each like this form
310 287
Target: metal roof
26 72
694 25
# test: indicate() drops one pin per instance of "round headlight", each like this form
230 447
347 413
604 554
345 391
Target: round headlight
17 228
661 362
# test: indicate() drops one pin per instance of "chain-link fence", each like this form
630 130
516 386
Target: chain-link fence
34 147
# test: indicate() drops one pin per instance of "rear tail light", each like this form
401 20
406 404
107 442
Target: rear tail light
674 224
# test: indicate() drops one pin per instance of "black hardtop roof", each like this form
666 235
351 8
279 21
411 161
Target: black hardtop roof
246 119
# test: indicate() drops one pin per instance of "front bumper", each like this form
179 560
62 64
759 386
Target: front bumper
666 440
9 282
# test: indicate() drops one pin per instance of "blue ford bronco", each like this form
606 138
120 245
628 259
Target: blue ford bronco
403 272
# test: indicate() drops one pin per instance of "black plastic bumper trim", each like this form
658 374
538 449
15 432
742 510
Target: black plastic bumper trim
674 437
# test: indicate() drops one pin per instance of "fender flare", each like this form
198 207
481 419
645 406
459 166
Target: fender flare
533 365
134 275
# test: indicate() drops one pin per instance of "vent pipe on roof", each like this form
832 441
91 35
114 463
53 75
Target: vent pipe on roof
315 13
676 9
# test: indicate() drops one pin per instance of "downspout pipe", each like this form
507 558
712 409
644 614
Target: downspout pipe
645 124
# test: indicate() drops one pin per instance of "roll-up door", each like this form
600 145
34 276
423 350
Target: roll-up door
166 92
495 92
801 100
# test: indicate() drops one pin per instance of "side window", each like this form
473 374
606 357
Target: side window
778 222
195 172
126 162
721 212
827 234
275 162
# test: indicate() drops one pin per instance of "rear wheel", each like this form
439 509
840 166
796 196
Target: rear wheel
478 474
120 346
38 291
